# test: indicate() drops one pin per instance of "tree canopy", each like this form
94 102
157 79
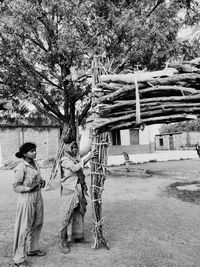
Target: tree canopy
46 47
185 126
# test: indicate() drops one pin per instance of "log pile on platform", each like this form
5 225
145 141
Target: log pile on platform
124 101
129 100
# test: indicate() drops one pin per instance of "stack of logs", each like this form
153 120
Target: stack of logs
169 95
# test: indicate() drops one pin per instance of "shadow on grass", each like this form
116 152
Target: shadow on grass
184 195
121 171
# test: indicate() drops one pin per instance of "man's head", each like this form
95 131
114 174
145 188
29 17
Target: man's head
27 150
74 148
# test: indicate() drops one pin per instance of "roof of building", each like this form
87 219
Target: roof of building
168 133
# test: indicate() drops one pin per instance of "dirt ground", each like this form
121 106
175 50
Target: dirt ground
144 224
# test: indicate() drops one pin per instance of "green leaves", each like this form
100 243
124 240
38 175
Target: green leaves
41 40
186 126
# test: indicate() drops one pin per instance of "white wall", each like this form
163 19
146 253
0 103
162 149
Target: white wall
144 136
125 137
148 134
1 163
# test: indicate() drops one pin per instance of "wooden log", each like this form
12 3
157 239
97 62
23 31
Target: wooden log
183 105
141 76
184 68
129 117
195 61
150 121
120 92
149 110
105 109
171 117
119 120
172 98
109 86
181 81
178 79
131 110
169 88
173 94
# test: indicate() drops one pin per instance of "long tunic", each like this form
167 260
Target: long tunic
29 217
71 198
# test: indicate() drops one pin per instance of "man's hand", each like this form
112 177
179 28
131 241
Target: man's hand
85 190
94 154
35 186
42 183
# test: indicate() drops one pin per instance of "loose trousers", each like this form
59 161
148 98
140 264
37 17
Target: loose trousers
28 224
72 220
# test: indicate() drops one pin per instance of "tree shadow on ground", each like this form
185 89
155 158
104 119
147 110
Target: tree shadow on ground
183 194
121 171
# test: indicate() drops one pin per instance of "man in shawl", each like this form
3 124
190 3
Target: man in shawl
73 191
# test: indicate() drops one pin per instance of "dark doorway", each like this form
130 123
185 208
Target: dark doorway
116 138
134 136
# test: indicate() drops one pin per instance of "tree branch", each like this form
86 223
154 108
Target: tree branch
33 70
84 112
44 110
52 109
159 2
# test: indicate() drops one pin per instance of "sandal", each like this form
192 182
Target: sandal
65 250
38 253
65 247
23 263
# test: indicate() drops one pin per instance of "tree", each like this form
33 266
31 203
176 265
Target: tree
39 46
186 126
46 47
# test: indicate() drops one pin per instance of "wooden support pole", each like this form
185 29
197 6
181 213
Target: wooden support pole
98 169
98 175
137 98
56 163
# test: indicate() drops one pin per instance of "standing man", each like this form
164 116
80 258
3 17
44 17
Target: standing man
198 149
29 218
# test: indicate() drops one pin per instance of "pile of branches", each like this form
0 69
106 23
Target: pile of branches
130 100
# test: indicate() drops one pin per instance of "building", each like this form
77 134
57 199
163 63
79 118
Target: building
176 141
133 141
45 137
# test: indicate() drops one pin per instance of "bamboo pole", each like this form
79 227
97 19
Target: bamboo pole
56 162
98 176
98 169
137 98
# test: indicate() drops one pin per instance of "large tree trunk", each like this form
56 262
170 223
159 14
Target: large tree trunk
71 134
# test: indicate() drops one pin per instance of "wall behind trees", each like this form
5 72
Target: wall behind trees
11 138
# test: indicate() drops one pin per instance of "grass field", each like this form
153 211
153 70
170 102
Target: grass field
143 225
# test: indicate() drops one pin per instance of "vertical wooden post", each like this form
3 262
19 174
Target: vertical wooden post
98 169
98 176
56 162
137 99
77 128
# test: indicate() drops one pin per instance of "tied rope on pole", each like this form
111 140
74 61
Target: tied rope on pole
98 166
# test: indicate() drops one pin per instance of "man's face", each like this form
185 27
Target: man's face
31 154
74 149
